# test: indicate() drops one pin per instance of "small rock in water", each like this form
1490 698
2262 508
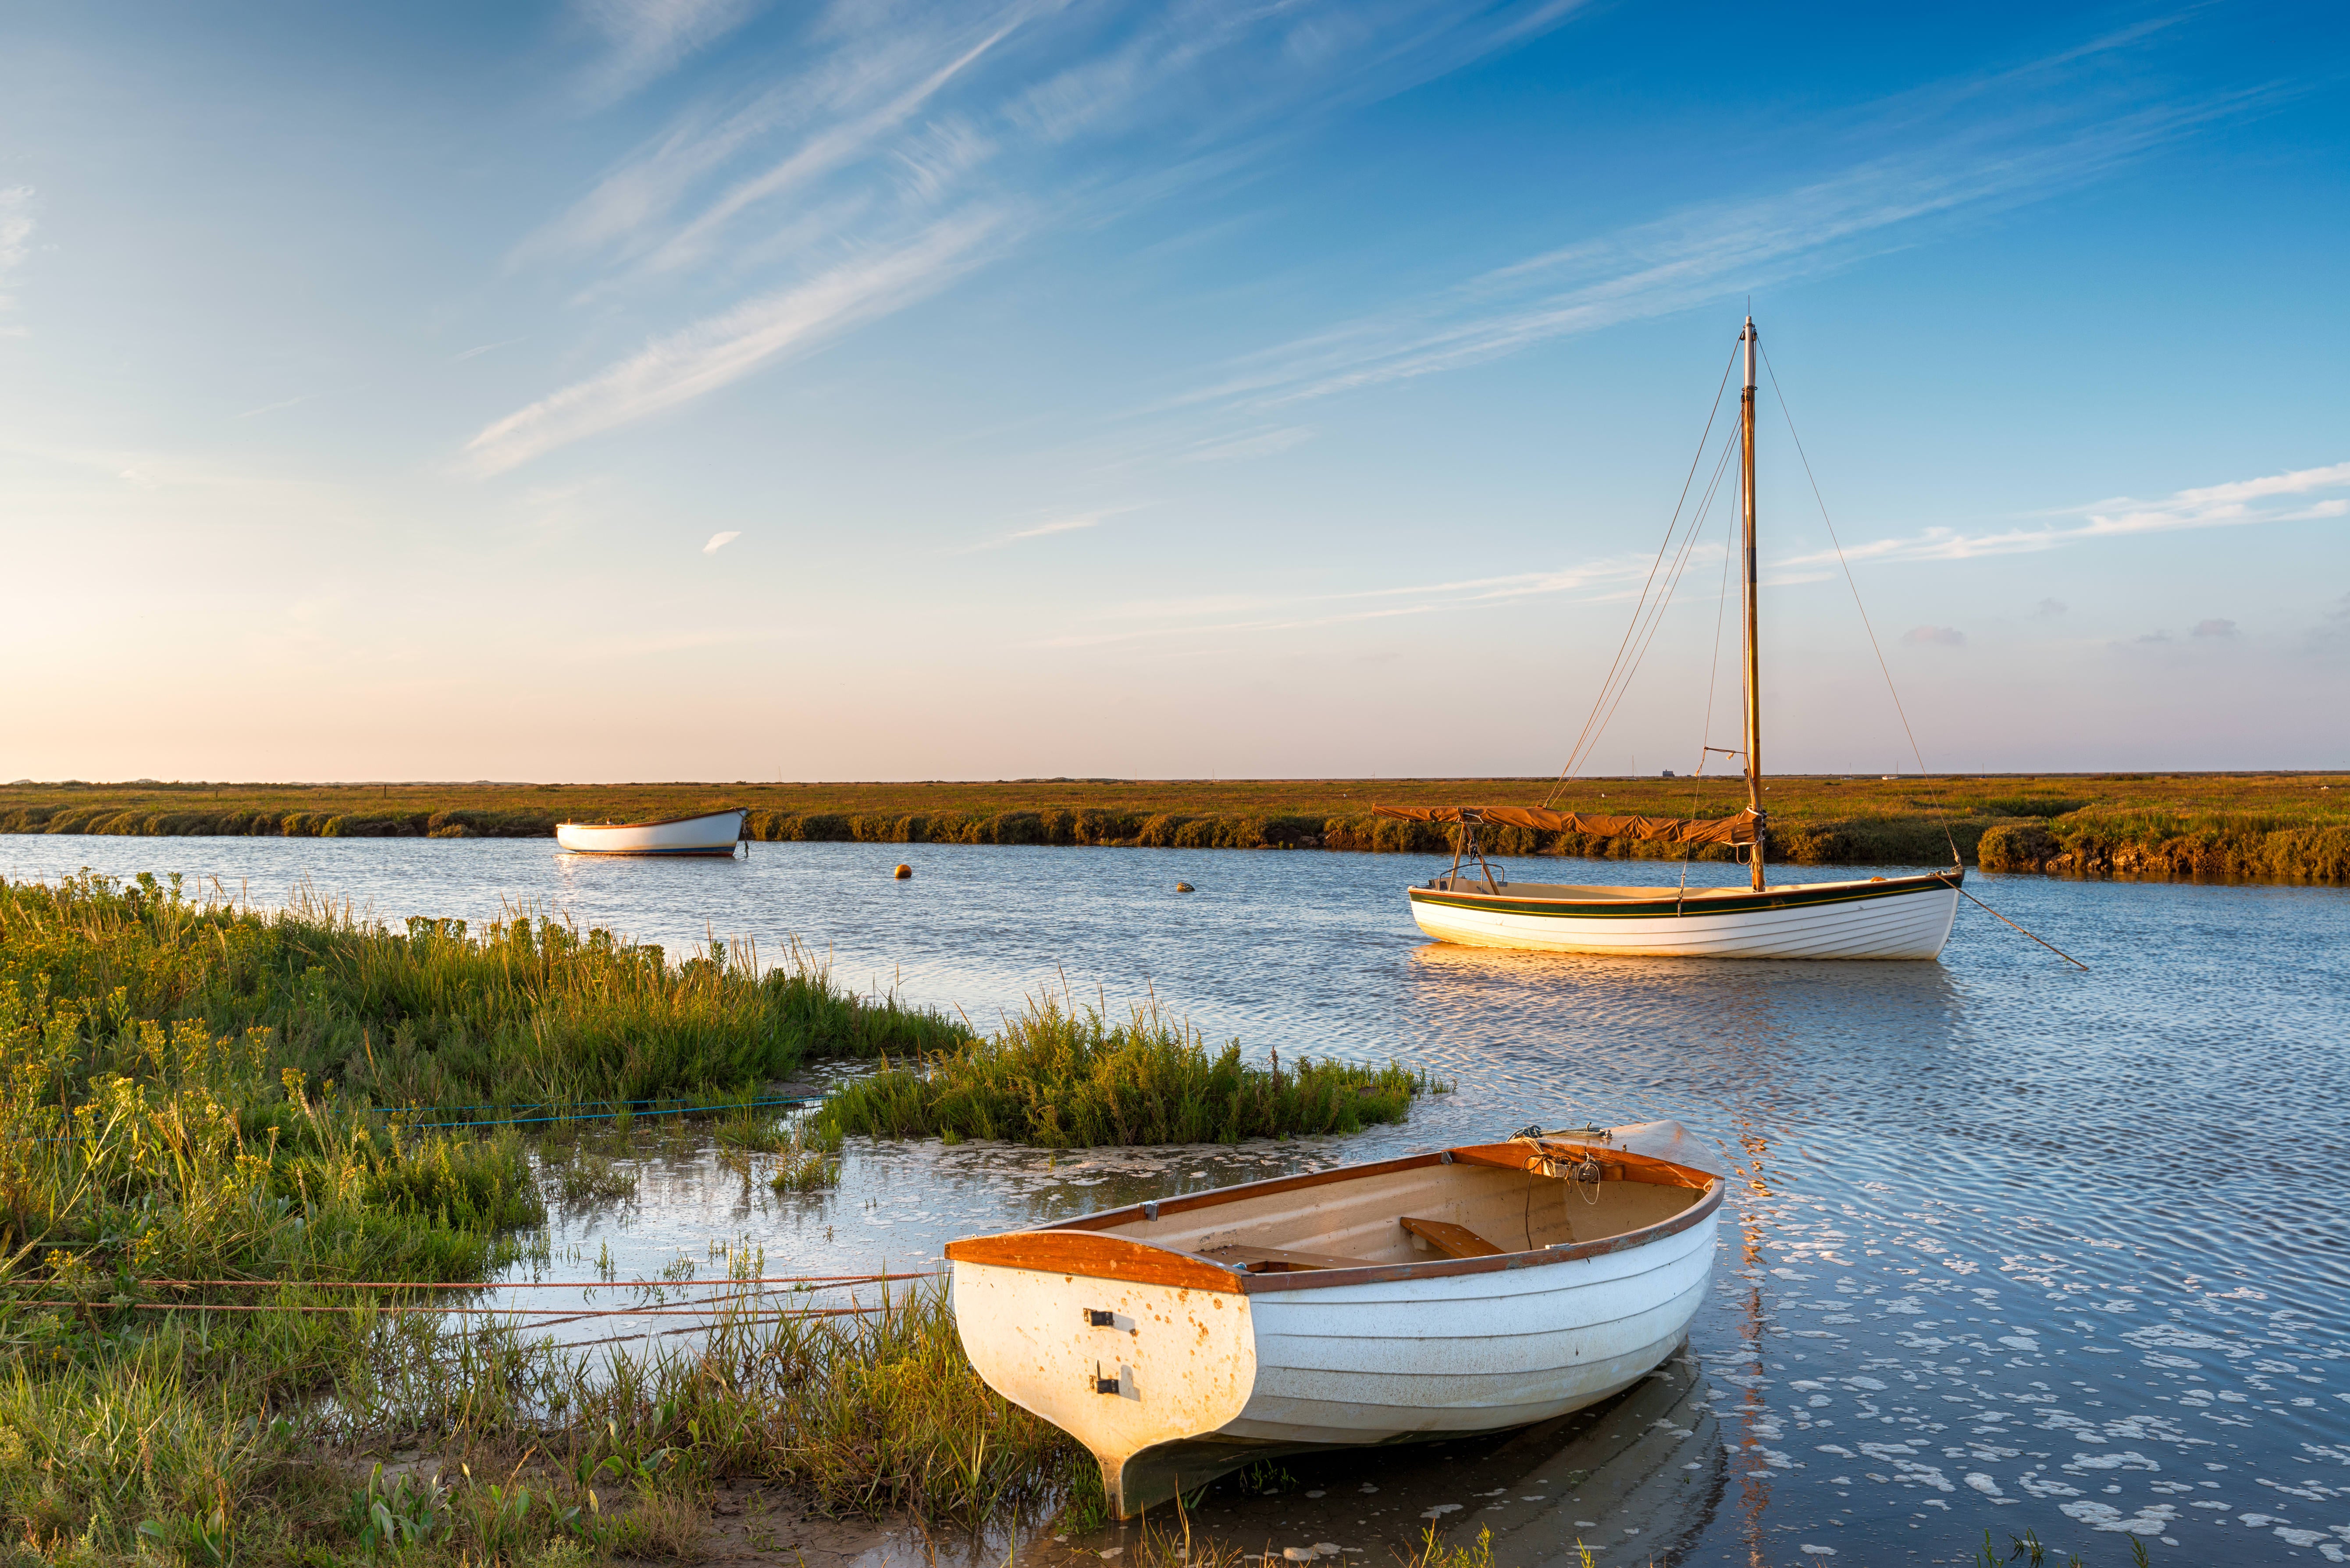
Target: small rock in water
1299 1553
1185 887
903 873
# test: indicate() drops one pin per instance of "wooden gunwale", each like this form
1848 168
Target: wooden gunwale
1669 904
663 821
1067 1248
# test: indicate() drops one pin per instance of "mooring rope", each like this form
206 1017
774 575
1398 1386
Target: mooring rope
1995 915
811 1281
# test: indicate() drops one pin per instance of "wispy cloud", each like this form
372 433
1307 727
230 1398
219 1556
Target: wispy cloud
821 153
727 346
1225 614
839 109
2215 629
645 39
481 349
720 541
15 236
1068 525
1265 443
273 408
1935 636
885 116
1966 149
2273 498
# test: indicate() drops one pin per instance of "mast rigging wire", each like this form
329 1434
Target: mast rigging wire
1941 817
1655 615
1670 527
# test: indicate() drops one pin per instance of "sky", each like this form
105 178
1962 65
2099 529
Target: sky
732 390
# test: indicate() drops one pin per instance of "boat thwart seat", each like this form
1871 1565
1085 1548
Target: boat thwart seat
1452 1240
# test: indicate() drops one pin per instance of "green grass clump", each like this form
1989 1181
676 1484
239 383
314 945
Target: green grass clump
1066 1077
520 1013
136 1149
144 1146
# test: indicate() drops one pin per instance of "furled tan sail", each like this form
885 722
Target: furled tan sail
1738 829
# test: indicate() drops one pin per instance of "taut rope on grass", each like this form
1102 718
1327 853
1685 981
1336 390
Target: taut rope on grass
811 1281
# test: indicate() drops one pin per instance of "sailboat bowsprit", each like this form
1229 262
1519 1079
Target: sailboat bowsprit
1871 918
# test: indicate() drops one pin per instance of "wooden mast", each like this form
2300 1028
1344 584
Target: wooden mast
1753 636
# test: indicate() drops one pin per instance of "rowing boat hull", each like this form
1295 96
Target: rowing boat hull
713 833
1174 1371
1887 917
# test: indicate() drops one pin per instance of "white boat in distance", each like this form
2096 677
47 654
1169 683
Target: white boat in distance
1876 918
710 833
1473 1290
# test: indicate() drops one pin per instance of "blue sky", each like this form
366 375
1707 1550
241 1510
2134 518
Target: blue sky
707 389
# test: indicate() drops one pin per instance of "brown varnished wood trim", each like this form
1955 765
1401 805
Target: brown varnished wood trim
1061 1251
1324 1279
1110 1218
1072 1247
1615 1164
1513 1156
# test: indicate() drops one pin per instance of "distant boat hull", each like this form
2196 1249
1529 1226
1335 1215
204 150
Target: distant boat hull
711 833
1878 918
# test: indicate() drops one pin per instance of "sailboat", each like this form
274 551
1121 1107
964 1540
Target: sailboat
1869 917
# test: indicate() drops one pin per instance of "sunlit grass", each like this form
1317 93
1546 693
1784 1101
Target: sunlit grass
1062 1075
2215 824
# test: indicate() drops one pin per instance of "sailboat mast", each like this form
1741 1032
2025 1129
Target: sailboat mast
1754 635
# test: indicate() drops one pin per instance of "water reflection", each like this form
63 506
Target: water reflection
2016 1246
1635 1479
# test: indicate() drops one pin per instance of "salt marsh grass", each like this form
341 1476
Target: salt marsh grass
1064 1075
2281 824
197 1100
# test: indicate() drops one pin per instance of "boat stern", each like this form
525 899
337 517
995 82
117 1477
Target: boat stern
1135 1370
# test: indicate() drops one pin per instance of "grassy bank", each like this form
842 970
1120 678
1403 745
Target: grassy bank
1063 1076
2100 823
186 1100
520 1012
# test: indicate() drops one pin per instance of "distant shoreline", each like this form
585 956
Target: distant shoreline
2281 826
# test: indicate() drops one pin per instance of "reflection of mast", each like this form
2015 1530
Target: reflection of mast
1754 1481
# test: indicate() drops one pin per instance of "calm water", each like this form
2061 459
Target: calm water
2015 1247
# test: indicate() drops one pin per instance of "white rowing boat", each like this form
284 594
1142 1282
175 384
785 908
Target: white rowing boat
1876 918
1476 1289
710 833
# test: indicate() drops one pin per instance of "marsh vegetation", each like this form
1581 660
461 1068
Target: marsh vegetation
2266 825
1062 1075
236 1146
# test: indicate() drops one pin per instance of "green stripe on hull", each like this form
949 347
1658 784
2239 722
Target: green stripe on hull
1672 909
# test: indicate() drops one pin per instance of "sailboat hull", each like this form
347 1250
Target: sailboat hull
1878 918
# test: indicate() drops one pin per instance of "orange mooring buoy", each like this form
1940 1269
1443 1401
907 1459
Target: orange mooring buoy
1183 887
904 873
